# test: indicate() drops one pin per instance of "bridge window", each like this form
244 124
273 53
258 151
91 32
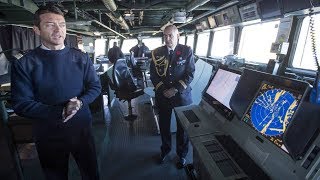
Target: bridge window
256 40
190 40
182 39
202 44
128 44
303 56
222 44
152 43
99 47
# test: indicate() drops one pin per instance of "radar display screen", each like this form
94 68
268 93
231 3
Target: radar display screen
271 111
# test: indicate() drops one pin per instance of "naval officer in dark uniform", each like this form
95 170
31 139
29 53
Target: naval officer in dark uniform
171 72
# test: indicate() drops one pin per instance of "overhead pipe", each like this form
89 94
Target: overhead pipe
113 15
118 20
99 23
195 4
145 30
75 10
226 5
140 17
81 32
110 4
100 19
121 21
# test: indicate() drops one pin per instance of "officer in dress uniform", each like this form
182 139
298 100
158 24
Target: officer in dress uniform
171 72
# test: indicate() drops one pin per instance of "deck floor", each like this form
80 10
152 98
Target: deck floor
126 150
135 146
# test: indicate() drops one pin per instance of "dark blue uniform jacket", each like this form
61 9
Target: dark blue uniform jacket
177 73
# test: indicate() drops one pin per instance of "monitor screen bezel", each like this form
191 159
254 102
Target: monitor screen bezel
218 106
300 100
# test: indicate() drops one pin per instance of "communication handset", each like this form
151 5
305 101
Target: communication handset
315 92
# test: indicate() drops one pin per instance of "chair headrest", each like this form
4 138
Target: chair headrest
122 77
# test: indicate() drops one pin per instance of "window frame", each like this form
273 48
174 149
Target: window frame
187 40
232 28
295 44
197 47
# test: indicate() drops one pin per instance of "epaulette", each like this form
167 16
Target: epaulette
18 56
157 50
21 53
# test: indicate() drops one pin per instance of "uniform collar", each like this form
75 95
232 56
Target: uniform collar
171 48
45 48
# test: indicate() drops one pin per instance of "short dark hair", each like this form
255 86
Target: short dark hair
49 8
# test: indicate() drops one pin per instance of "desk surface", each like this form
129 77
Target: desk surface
5 87
207 124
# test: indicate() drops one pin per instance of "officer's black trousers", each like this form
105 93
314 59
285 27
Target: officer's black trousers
54 154
182 140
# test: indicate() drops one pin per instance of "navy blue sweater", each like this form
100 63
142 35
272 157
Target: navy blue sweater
43 81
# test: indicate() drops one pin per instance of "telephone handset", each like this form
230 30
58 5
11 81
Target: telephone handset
315 92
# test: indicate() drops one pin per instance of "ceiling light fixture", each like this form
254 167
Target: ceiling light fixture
97 33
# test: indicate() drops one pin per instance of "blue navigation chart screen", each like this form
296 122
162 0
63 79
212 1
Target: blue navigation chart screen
271 111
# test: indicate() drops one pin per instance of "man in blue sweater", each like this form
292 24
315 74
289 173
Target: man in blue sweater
54 85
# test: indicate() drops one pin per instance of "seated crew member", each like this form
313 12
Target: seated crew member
171 72
139 50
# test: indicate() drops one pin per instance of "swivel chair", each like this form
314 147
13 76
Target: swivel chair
15 129
124 86
138 70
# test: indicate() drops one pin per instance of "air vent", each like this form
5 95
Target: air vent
179 17
312 156
249 12
222 159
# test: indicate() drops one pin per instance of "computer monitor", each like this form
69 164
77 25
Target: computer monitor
249 84
270 9
291 6
246 93
220 89
271 111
